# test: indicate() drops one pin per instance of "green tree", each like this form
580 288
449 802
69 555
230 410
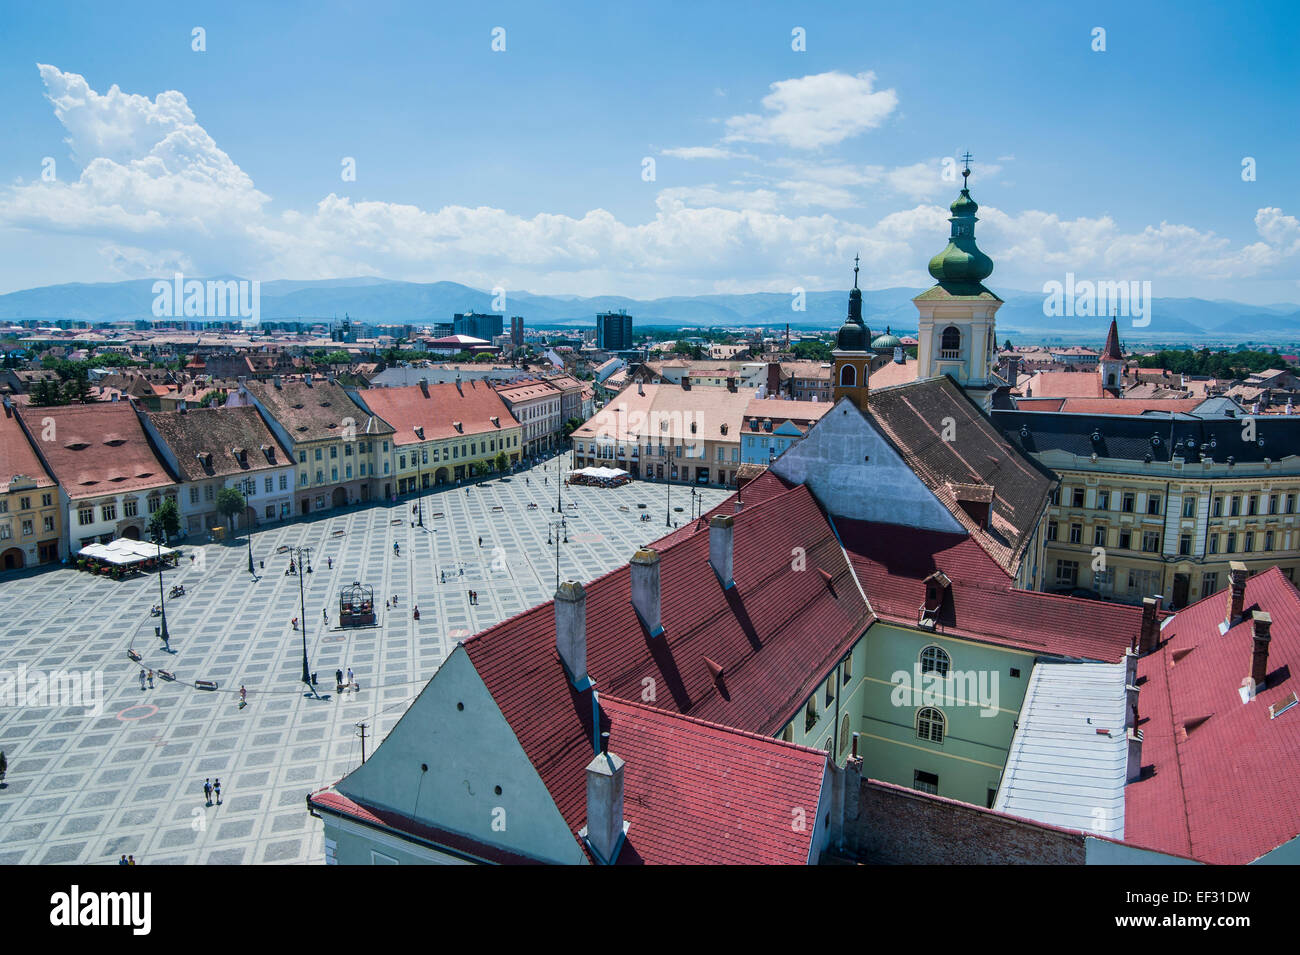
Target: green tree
816 350
572 425
166 521
76 390
230 502
502 461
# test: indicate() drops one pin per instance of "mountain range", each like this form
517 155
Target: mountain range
1190 321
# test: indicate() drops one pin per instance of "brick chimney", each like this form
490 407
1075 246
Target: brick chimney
1149 635
1262 623
686 382
1237 574
645 590
1134 769
605 827
571 631
722 534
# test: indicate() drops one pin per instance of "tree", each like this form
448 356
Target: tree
572 425
485 357
502 461
812 351
166 521
230 502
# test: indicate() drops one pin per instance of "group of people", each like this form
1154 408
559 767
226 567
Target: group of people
209 788
351 683
473 598
146 675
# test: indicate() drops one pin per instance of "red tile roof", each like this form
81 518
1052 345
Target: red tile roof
1061 384
776 633
1226 791
700 794
474 405
1125 406
981 604
99 449
16 454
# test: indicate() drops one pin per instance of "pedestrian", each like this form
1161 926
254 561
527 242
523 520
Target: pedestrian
329 562
462 571
470 595
243 696
207 790
295 623
151 679
416 612
122 861
338 680
216 788
142 678
444 577
394 600
351 680
385 604
324 614
130 860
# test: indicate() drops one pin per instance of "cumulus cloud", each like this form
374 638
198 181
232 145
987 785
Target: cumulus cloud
813 111
161 196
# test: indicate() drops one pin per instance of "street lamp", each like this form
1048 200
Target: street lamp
419 484
162 602
249 537
560 526
302 609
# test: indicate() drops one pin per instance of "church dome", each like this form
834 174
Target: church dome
852 336
886 342
961 266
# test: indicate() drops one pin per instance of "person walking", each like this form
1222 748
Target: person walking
324 615
151 679
130 860
295 623
480 540
207 790
415 614
142 678
394 600
386 605
351 679
329 563
122 861
216 788
243 696
444 577
338 680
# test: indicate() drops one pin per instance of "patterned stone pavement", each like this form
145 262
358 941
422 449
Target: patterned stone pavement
87 789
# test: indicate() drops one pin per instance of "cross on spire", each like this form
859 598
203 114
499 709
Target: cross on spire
855 271
965 172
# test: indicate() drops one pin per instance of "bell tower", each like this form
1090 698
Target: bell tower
851 353
1111 364
957 333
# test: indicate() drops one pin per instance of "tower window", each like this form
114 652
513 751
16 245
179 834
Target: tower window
950 343
848 376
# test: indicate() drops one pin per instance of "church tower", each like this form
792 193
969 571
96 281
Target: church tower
851 353
1111 364
957 333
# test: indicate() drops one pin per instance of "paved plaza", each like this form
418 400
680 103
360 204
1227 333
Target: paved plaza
89 789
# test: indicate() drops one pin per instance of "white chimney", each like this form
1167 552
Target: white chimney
571 631
645 590
1130 706
605 825
1134 769
721 539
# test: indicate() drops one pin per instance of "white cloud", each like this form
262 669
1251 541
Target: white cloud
814 111
701 152
159 195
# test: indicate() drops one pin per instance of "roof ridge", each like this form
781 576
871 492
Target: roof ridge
749 734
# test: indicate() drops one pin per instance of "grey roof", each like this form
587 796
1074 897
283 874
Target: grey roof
1157 434
1060 769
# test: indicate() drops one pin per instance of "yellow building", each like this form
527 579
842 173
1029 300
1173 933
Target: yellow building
1158 504
31 523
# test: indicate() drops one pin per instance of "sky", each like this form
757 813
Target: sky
651 149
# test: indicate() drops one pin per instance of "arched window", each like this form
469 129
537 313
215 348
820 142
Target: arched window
930 725
848 376
846 735
935 660
950 343
1110 380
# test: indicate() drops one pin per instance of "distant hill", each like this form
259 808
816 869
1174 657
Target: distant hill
1181 320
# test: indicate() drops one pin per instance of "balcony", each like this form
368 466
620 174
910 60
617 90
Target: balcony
950 353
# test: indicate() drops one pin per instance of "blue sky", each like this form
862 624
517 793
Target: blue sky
524 168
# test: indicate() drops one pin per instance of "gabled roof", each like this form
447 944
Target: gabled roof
474 404
16 454
314 412
1221 780
205 440
775 633
913 417
981 604
100 449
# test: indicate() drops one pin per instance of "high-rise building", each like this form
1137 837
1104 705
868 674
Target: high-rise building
613 331
477 325
516 330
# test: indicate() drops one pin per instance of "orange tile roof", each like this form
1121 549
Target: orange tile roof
473 405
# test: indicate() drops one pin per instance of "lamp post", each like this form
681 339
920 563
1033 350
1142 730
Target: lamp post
302 609
419 485
668 476
162 602
558 527
248 535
